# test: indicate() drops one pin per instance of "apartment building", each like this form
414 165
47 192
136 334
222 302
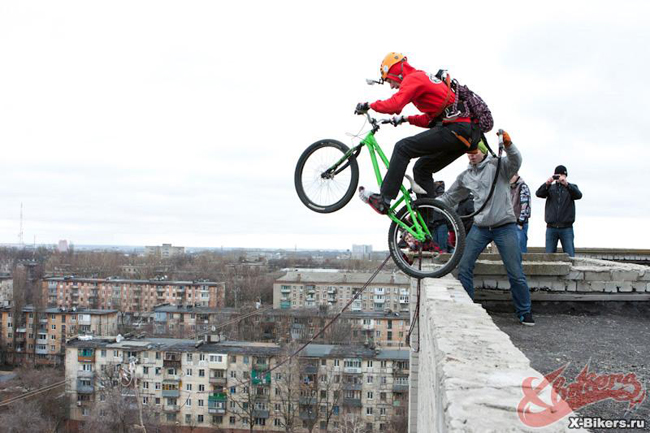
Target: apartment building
40 335
304 289
375 328
130 296
235 386
164 251
6 290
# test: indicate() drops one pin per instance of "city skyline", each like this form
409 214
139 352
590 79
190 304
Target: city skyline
184 125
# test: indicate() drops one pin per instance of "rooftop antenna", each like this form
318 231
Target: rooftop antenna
20 234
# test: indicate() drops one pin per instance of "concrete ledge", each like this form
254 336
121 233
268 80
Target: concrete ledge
469 374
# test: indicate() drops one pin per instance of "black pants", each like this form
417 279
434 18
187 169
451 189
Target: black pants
437 148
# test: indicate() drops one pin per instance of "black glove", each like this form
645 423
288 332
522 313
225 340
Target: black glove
362 108
398 120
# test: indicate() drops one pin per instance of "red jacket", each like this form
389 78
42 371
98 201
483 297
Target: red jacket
425 91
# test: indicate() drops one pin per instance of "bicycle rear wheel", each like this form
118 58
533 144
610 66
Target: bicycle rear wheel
433 258
325 181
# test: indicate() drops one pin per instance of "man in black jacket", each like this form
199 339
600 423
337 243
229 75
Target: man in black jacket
560 212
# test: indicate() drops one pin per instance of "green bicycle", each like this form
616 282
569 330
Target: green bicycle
426 238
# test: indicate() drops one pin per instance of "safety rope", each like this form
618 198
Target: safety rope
415 318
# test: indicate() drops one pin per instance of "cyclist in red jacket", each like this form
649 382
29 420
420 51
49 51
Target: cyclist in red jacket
446 138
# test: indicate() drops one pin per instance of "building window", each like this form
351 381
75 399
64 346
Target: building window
200 419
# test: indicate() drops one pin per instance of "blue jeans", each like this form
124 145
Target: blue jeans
522 234
564 235
507 242
440 235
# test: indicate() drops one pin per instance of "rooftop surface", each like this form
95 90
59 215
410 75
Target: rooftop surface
240 347
609 337
343 278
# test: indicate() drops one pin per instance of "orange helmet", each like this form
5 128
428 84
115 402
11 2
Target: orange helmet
388 62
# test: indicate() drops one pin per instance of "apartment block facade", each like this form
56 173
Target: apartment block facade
130 296
305 289
377 328
236 386
40 335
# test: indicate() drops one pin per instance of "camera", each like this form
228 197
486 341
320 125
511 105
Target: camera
556 176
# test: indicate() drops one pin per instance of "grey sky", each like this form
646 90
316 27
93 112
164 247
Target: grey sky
150 121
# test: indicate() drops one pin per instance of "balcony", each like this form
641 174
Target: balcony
352 402
285 289
174 393
308 401
171 408
310 289
41 351
217 396
352 386
258 413
216 409
311 369
85 389
400 387
380 300
172 363
85 373
86 355
218 380
285 305
261 366
308 415
259 378
352 370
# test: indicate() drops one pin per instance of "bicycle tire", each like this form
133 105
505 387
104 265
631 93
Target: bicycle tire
435 267
308 177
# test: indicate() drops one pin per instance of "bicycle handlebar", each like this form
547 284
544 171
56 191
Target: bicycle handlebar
376 122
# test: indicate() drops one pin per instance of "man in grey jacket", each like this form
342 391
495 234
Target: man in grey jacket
496 222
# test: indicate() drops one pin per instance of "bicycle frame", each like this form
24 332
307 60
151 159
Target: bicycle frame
419 229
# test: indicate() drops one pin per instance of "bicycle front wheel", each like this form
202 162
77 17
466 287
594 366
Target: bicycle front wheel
434 257
325 179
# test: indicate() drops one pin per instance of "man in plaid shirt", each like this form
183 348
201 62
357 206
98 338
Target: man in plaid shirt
520 195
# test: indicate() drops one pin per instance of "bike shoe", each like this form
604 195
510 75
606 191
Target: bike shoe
376 201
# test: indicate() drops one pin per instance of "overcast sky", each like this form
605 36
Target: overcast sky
143 122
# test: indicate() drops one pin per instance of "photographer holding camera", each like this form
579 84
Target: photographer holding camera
560 211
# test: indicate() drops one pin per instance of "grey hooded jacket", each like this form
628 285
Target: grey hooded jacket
477 179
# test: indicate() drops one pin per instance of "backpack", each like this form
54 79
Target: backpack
472 105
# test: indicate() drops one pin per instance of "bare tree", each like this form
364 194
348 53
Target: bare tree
287 383
118 409
44 411
351 423
399 423
25 417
